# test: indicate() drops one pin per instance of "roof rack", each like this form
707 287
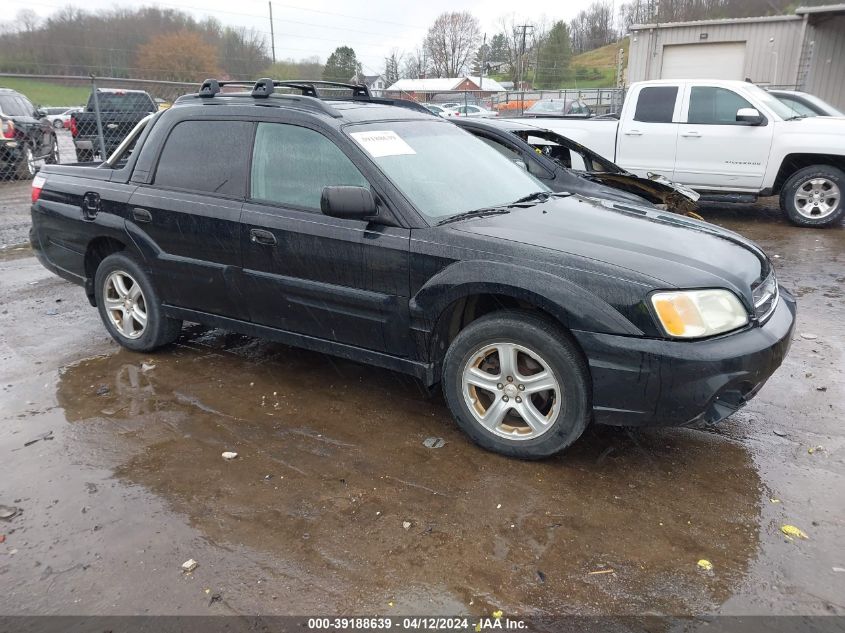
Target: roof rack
265 87
309 97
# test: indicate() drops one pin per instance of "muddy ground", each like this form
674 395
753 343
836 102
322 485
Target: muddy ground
334 504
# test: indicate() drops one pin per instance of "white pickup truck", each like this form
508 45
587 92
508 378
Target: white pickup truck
728 140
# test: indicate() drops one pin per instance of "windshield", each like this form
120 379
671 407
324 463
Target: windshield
547 106
441 169
770 101
123 102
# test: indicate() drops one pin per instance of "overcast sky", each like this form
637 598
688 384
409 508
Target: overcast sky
315 27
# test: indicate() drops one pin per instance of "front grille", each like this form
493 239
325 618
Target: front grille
765 296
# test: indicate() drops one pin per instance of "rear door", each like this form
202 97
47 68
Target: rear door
343 280
648 136
190 214
714 149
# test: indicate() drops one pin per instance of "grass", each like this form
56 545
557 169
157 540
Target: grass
601 59
46 93
604 57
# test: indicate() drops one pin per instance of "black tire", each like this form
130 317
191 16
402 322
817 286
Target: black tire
84 155
159 330
801 178
22 171
53 158
58 124
559 352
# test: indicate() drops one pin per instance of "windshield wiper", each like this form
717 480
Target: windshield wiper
796 117
540 196
475 213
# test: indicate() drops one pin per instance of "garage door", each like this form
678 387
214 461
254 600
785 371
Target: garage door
723 60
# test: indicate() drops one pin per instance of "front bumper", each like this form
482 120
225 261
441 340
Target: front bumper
658 382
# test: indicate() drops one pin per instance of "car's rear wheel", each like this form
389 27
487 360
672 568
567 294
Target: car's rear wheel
28 165
517 385
813 196
130 306
53 157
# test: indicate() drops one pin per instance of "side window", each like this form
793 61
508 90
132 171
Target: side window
714 106
291 165
656 104
207 156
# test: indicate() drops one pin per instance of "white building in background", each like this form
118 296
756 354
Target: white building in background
804 51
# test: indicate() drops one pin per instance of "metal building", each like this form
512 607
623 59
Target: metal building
804 51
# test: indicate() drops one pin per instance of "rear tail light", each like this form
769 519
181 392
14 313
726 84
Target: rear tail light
8 129
74 129
37 184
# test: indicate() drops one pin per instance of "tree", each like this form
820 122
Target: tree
286 69
391 68
451 41
178 56
554 57
342 65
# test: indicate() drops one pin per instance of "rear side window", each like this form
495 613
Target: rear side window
714 106
291 165
122 102
656 104
206 156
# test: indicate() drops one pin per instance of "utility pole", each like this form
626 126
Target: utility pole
483 61
520 67
272 33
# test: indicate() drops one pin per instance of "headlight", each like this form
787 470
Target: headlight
698 313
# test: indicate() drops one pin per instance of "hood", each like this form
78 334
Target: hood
816 125
675 251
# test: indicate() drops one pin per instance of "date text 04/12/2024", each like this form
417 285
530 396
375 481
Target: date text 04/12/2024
496 622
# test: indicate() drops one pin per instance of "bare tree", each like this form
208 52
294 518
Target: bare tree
451 42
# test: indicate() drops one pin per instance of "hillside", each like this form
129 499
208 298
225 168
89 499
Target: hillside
597 68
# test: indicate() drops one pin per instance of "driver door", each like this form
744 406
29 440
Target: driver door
339 279
714 149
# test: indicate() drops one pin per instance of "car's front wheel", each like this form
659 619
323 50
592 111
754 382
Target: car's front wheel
813 196
130 306
517 385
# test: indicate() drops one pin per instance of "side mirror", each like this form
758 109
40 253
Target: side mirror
751 116
39 113
353 203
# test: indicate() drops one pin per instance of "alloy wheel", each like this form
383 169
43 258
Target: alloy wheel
511 391
817 198
125 304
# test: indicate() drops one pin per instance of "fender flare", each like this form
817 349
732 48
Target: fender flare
572 305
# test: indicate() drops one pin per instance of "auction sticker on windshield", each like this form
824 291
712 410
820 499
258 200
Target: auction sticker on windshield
379 143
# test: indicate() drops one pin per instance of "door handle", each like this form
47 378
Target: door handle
633 133
141 215
691 135
258 236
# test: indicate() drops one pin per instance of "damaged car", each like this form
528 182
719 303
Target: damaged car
367 229
566 166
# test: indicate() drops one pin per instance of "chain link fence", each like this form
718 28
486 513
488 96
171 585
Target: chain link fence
31 136
598 101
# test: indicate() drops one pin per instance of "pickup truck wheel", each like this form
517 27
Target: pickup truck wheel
813 196
28 165
53 158
517 385
130 306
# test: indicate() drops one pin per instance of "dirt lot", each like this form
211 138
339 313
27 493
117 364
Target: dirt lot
334 504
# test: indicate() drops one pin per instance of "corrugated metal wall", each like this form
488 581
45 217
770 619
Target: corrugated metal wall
772 53
826 78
